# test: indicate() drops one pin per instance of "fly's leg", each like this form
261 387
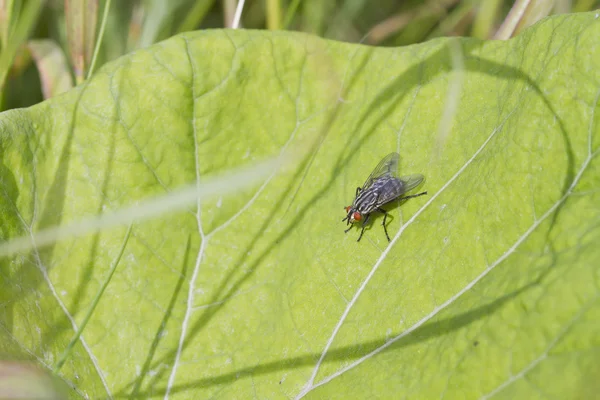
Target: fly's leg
411 196
346 231
385 214
363 227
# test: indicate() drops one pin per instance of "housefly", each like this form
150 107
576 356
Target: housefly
382 186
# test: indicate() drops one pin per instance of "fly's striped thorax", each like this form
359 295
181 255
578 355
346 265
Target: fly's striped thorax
366 201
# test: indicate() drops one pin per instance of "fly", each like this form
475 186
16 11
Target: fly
382 186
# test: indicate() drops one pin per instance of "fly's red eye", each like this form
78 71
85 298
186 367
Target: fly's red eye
347 208
357 216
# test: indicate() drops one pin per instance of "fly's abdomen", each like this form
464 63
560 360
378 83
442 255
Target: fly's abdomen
389 188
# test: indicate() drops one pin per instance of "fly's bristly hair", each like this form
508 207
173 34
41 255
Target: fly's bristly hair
365 201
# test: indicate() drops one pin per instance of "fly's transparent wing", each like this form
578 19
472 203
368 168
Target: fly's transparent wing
409 182
390 188
386 167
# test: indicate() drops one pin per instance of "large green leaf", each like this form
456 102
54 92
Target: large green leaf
490 285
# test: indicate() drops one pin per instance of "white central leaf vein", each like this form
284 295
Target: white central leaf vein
204 241
205 238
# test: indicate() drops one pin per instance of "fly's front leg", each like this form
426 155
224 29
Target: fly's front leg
385 214
363 227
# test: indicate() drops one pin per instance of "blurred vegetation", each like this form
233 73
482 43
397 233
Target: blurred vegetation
49 46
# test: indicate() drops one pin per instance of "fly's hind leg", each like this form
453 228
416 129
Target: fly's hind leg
411 196
385 214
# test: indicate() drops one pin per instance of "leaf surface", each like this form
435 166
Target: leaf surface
489 287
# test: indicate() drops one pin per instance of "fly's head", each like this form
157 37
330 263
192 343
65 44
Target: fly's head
353 215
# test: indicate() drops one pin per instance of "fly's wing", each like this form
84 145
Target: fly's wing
409 182
391 188
386 167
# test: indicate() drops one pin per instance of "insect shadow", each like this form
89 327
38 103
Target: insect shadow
382 189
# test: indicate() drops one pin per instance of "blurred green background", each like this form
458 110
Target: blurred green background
47 47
